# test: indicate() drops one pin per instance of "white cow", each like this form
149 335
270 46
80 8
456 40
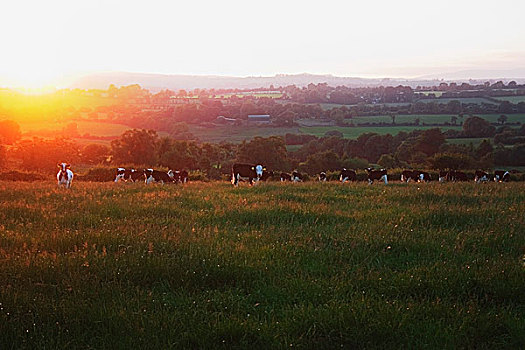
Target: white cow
65 175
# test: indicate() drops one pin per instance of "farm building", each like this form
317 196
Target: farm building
229 121
259 119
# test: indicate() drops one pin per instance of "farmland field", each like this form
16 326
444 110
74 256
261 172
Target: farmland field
513 99
311 265
354 132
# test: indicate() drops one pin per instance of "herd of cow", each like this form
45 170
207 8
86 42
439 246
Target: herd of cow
254 173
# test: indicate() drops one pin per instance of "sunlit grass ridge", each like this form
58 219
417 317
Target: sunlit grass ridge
308 265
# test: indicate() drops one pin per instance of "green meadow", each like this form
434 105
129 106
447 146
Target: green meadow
312 266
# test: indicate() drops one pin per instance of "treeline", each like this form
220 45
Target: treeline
145 148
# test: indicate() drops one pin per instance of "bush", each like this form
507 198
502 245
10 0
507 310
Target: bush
15 175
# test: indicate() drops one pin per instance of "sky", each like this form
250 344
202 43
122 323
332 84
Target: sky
48 42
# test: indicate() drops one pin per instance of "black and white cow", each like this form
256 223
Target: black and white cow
249 172
156 176
377 175
322 176
65 175
128 175
423 176
178 176
454 175
296 176
408 175
501 176
443 176
347 175
286 177
481 176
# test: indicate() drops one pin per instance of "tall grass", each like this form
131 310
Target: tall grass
205 265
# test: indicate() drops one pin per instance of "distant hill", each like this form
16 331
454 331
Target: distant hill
156 82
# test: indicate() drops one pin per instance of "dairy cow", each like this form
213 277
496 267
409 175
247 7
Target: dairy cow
178 176
249 172
377 175
296 176
481 176
408 175
322 176
65 175
423 176
128 175
347 175
156 176
286 177
443 176
501 176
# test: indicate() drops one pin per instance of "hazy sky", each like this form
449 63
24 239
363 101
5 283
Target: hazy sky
45 40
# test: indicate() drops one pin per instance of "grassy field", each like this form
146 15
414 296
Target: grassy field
93 128
354 132
513 99
476 100
275 266
435 118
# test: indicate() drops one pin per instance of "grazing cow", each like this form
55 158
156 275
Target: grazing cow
376 175
65 175
128 175
156 176
120 175
178 176
322 176
501 176
347 175
423 176
408 175
286 177
455 176
250 173
443 176
296 176
481 176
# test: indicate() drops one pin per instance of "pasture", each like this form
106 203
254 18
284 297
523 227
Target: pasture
310 265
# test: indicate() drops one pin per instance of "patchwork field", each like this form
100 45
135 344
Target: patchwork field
309 265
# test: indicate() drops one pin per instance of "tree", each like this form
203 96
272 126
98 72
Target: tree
430 141
322 161
3 156
389 161
454 161
453 120
393 116
477 127
484 148
135 147
270 152
94 154
44 154
9 132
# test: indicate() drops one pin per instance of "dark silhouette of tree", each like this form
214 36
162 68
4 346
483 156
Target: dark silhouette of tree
94 154
477 127
136 147
454 161
270 152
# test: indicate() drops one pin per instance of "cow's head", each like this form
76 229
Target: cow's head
63 166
